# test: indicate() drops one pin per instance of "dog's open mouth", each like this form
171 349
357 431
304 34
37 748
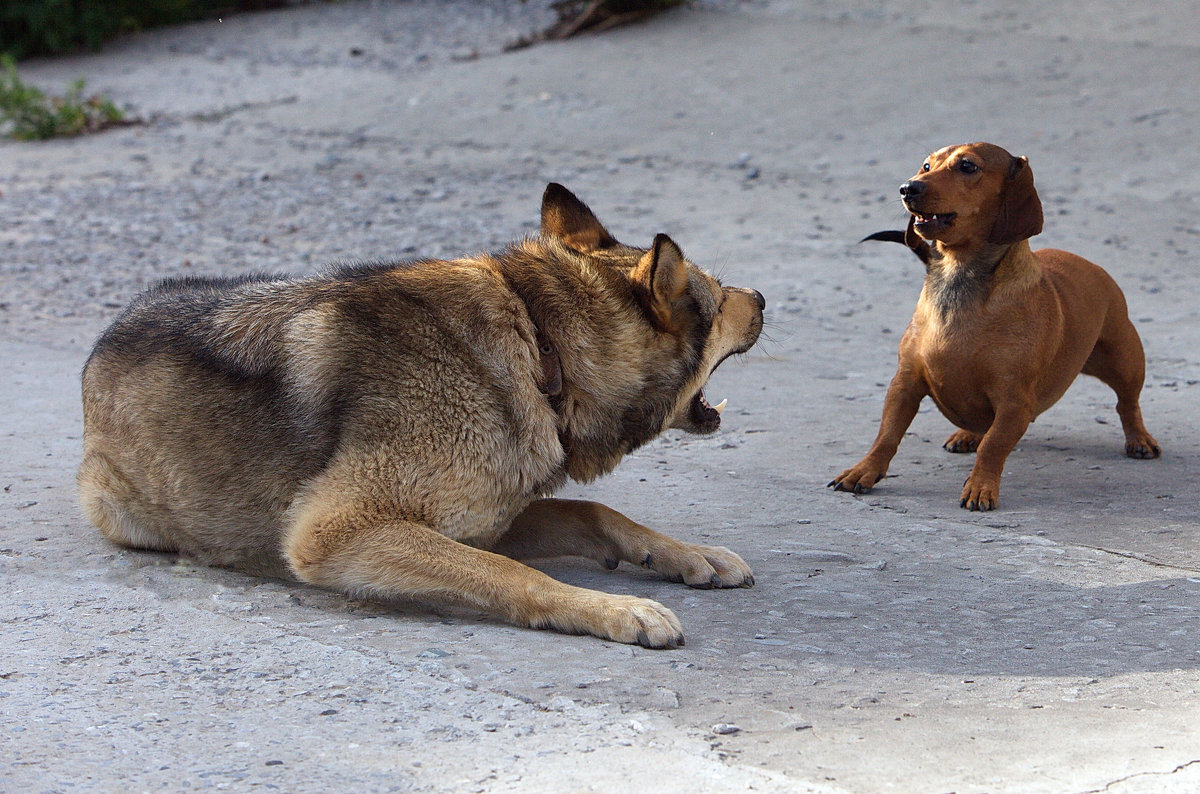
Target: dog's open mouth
705 417
934 221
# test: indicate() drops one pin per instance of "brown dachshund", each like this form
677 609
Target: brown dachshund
999 331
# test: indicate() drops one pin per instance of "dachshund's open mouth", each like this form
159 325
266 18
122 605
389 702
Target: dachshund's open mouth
932 223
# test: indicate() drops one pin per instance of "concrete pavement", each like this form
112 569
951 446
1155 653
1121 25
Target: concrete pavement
893 642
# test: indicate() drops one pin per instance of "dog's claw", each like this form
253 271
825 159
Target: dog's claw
979 504
841 484
611 563
671 643
1142 452
648 561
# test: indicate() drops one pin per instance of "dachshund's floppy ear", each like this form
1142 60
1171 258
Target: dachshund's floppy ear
918 244
1020 214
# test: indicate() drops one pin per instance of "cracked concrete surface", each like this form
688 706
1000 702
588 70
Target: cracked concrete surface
893 642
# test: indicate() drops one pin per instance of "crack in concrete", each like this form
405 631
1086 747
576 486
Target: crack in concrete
1140 558
1109 785
225 112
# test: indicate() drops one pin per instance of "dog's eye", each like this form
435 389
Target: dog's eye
967 167
925 167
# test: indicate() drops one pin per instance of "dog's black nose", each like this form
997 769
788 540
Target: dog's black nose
758 296
912 188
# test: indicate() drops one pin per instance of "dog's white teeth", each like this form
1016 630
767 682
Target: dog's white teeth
720 407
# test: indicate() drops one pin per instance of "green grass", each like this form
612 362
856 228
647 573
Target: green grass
27 114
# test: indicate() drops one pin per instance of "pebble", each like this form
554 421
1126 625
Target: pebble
664 698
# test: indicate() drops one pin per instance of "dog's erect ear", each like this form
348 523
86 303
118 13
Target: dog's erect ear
569 219
1020 214
662 274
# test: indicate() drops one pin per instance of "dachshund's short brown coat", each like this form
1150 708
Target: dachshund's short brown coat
999 331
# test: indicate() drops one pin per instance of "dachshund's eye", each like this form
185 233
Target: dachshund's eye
967 167
925 167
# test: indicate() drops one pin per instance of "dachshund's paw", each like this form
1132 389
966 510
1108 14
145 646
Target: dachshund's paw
859 479
962 441
1142 445
980 493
